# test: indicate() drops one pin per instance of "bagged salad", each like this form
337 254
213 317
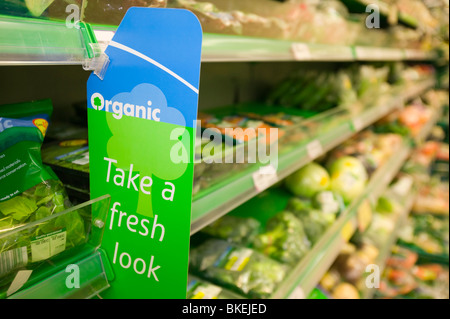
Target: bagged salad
284 239
237 268
238 230
201 289
30 192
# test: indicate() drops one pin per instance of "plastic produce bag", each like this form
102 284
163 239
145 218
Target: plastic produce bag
284 240
235 229
30 191
201 289
241 269
315 222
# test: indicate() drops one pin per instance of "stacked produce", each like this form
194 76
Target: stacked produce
31 193
201 289
237 268
406 278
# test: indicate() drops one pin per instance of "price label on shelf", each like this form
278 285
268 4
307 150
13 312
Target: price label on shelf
298 293
358 124
265 177
301 51
314 149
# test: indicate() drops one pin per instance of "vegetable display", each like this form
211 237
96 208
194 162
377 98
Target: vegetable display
284 239
234 229
238 268
30 193
308 181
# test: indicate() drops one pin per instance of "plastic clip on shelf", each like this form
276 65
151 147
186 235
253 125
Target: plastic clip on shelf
27 41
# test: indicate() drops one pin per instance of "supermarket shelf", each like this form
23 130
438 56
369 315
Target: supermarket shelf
305 275
93 280
233 193
388 11
386 249
25 41
426 130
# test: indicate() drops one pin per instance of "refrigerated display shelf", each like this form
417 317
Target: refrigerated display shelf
385 250
27 41
80 272
389 12
231 193
93 278
308 272
426 130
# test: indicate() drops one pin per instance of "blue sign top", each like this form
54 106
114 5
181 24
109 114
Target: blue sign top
156 79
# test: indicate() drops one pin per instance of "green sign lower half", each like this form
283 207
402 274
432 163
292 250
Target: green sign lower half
147 168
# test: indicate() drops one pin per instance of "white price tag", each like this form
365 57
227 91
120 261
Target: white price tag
298 293
265 177
358 124
314 149
103 36
20 279
301 51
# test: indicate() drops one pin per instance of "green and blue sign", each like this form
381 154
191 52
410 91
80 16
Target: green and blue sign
141 120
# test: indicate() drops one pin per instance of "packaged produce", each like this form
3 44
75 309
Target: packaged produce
284 239
29 190
237 230
241 269
407 277
201 289
428 235
69 159
308 180
110 12
315 222
240 129
314 91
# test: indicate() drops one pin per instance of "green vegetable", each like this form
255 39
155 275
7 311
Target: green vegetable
314 221
308 181
240 269
284 240
328 202
348 177
234 229
30 191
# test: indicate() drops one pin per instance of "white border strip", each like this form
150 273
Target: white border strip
159 65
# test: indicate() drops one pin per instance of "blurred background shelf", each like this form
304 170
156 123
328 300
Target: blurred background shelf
391 240
26 41
307 274
232 192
